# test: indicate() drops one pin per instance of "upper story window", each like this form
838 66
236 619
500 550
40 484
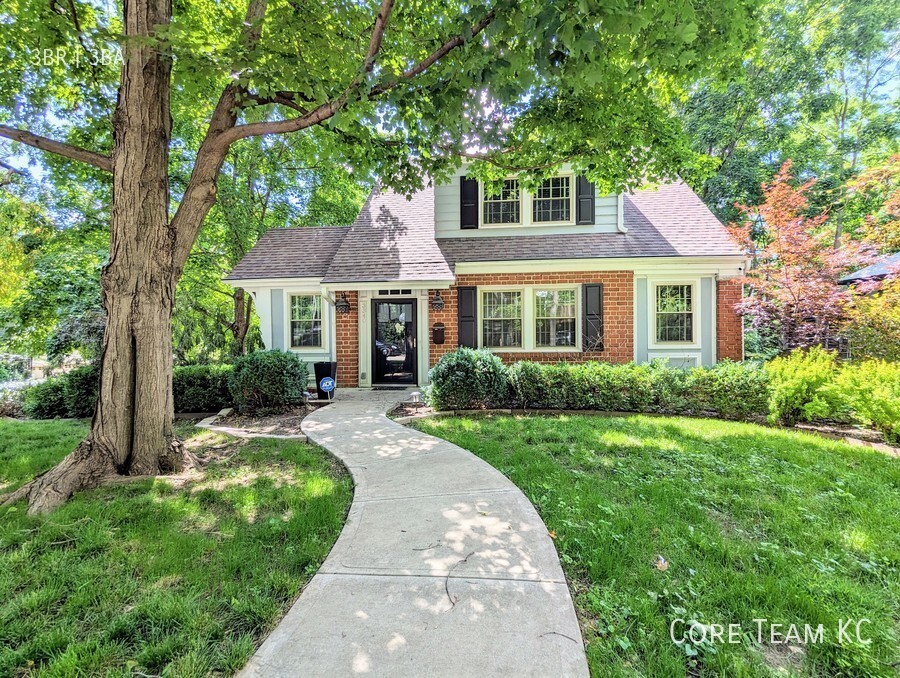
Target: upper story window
552 202
502 325
504 207
674 313
306 321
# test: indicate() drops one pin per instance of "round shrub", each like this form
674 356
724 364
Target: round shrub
46 400
469 379
267 379
201 388
81 388
795 381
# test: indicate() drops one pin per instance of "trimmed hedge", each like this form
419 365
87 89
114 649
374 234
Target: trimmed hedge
268 380
728 390
46 400
201 388
469 379
807 385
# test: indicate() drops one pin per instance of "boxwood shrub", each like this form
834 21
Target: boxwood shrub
81 388
267 380
201 388
46 400
729 390
469 379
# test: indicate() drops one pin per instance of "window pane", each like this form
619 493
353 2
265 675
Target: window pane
552 200
306 307
674 313
306 321
553 332
555 318
503 207
502 326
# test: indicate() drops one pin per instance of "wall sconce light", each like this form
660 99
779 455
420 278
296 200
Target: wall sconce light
437 303
342 305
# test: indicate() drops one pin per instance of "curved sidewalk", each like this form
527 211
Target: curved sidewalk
444 568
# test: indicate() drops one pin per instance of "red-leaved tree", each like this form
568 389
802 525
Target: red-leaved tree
794 295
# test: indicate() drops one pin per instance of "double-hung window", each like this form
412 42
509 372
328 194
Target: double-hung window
502 319
552 202
306 321
505 206
555 318
674 313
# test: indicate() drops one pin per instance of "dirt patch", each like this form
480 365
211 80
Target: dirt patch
410 410
279 424
852 435
783 658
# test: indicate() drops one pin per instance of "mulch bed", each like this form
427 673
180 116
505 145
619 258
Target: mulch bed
278 423
409 410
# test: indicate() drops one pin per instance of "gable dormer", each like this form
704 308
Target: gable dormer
563 203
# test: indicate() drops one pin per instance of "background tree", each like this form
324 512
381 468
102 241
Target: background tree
795 299
819 87
407 88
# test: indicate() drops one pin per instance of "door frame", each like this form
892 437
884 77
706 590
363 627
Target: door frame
413 301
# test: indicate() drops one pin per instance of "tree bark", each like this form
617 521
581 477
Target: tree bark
132 429
243 306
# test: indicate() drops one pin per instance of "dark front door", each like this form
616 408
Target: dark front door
394 350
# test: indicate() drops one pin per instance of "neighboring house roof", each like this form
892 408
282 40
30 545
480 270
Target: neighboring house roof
393 240
880 269
291 253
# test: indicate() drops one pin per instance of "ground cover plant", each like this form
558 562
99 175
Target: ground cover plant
751 522
157 579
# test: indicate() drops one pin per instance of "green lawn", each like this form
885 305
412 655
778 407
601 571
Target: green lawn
753 523
149 579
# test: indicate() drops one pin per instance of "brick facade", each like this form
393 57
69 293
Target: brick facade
618 314
729 325
347 343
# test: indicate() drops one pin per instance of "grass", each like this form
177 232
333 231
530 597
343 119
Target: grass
752 522
30 447
153 579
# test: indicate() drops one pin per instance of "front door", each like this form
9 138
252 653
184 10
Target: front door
394 349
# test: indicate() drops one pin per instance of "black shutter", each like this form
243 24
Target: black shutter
468 316
584 201
592 338
468 202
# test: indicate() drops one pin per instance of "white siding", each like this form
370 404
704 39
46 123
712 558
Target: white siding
446 216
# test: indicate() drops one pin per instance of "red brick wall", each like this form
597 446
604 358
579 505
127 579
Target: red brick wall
729 327
347 343
618 314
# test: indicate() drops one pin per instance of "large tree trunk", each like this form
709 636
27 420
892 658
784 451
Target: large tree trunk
132 428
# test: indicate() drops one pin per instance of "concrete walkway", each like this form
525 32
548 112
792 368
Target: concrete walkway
444 568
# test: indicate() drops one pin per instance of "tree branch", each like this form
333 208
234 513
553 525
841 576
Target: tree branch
57 147
327 110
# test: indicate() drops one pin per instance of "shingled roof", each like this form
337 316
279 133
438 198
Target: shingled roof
291 253
393 240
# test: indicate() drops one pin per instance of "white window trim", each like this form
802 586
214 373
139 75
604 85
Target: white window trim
481 201
526 199
695 313
529 317
324 347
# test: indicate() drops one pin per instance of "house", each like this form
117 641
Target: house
560 275
888 265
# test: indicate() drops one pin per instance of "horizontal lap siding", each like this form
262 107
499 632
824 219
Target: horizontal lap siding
618 314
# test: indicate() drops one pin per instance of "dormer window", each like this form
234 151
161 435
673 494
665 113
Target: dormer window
563 200
504 207
552 203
